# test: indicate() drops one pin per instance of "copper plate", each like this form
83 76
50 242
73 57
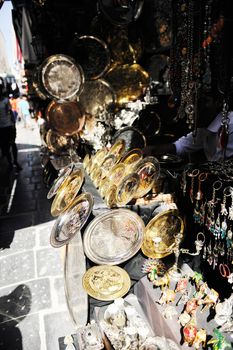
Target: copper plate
127 189
62 79
59 180
93 56
97 96
106 282
67 118
128 82
148 170
67 192
160 234
113 237
71 222
133 137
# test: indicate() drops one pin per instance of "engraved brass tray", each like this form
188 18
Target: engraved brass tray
160 233
127 189
62 79
133 137
103 186
113 237
131 158
106 282
71 222
67 192
148 170
98 158
128 82
59 180
59 144
93 56
97 96
108 163
86 160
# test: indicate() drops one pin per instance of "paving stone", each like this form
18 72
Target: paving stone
49 262
60 290
30 330
6 239
16 268
57 325
22 240
44 234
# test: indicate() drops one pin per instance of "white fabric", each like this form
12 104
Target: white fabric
208 140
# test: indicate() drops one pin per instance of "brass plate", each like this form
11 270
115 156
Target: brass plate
98 158
117 173
127 189
113 237
60 144
132 157
70 223
59 180
104 185
106 282
67 192
162 230
128 82
62 79
93 56
97 96
97 178
108 163
110 196
86 160
133 137
66 118
148 170
118 148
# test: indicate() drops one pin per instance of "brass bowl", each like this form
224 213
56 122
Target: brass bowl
160 234
66 118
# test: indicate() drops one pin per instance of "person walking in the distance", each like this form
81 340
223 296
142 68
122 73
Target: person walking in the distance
24 111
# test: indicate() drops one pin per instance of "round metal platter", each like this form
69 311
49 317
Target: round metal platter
86 159
121 13
69 223
128 82
148 170
132 157
127 188
103 187
113 237
59 144
106 282
97 96
97 177
117 173
67 192
118 148
93 56
59 180
160 233
67 118
108 163
110 196
133 137
61 77
98 158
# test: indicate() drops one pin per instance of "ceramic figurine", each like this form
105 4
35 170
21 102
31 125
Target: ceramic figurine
200 339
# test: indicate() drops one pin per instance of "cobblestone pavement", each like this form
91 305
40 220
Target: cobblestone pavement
33 311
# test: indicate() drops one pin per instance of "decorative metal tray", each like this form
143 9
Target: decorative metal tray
93 56
127 189
118 148
67 118
106 282
117 173
67 192
113 237
61 77
133 137
160 233
132 157
148 170
59 144
59 180
71 222
110 196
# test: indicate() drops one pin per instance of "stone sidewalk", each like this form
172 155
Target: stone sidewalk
33 311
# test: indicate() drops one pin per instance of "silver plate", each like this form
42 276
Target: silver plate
59 180
113 237
71 222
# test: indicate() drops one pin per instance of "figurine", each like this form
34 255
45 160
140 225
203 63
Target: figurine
168 296
162 282
197 278
191 306
219 342
189 333
182 285
210 299
200 339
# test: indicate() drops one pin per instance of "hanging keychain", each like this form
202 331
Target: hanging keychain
193 175
210 218
199 195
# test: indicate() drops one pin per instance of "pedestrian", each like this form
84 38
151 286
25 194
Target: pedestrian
8 131
24 111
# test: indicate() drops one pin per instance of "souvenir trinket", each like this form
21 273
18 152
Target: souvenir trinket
184 318
219 342
210 299
162 282
182 285
169 312
154 268
197 278
168 296
191 306
189 333
90 337
200 339
68 341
